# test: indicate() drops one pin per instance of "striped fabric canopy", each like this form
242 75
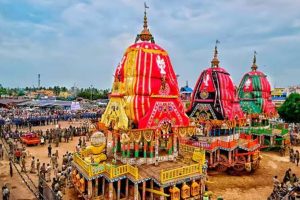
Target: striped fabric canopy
255 94
148 87
221 95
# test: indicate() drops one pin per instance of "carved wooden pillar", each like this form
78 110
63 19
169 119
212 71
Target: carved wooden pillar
126 190
175 153
145 148
96 188
156 147
119 190
115 146
110 191
136 191
128 149
90 189
162 197
144 191
103 186
151 186
136 149
151 148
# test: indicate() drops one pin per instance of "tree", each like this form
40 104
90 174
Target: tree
56 90
21 92
289 111
3 91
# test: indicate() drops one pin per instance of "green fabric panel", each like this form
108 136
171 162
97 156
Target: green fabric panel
259 103
249 107
241 87
256 83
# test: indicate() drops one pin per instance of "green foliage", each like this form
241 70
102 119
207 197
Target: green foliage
289 111
93 93
56 90
86 93
3 91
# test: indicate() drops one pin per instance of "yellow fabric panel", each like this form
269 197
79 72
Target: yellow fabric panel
129 102
129 85
115 113
130 81
130 71
154 51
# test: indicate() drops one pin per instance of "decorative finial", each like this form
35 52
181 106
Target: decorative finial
254 66
145 35
215 61
145 16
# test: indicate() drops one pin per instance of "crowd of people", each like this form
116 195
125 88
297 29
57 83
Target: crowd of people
54 135
61 175
53 172
287 188
22 117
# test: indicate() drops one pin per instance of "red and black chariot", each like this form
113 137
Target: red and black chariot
216 112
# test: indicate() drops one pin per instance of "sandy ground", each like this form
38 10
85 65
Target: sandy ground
256 186
251 187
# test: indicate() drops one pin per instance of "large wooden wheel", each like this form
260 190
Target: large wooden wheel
223 164
240 163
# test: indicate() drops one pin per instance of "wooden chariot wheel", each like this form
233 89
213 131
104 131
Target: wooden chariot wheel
222 166
240 163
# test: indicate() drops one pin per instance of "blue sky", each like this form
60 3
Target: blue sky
80 43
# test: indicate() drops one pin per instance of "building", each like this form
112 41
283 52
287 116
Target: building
279 96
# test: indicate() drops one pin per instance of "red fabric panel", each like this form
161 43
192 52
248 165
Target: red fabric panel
227 88
162 110
119 73
231 109
207 83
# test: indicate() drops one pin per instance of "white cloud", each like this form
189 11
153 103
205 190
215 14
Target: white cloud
91 36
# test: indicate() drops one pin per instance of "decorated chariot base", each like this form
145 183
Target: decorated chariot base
112 172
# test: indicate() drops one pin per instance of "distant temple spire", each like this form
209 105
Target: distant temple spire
215 61
254 66
145 35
